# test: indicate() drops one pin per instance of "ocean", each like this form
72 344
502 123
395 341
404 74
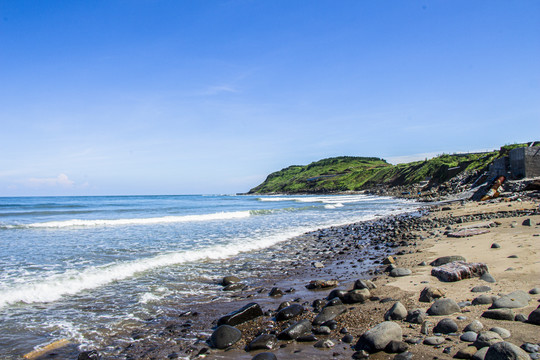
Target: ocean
85 268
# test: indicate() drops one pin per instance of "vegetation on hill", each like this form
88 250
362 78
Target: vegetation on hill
348 173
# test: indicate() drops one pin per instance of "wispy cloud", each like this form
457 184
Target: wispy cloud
61 180
219 89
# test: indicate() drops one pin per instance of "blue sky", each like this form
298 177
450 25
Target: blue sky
182 97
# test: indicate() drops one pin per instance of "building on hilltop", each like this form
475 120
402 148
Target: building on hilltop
523 162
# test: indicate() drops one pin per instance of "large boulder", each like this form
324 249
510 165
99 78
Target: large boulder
506 351
246 313
458 270
443 306
379 336
225 336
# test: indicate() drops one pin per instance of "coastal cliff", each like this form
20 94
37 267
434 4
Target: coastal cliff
376 175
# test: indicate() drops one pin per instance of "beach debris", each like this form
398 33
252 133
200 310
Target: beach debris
322 284
458 270
47 348
379 336
224 336
443 306
495 189
467 233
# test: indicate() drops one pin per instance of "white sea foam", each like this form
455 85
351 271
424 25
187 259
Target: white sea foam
73 282
331 199
134 221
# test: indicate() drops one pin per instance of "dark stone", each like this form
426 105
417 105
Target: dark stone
399 272
331 324
530 347
520 318
228 280
395 347
297 329
416 316
527 222
487 338
534 317
336 293
290 312
428 294
446 259
234 287
323 330
329 313
264 356
404 356
484 300
445 326
481 288
362 354
225 336
89 355
318 304
443 307
347 339
356 296
246 313
364 284
307 338
495 246
263 342
505 351
396 312
378 337
499 314
516 299
487 277
275 292
324 344
333 302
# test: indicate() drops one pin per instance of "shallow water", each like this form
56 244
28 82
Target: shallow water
84 268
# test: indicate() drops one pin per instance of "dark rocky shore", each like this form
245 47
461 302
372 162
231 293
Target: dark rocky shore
322 304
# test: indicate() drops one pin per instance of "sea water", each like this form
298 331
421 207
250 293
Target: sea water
83 268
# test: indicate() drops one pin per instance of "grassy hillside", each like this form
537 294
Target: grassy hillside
349 173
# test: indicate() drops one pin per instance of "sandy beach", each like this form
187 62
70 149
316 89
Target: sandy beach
513 263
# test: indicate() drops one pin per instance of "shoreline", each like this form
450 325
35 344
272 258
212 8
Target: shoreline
183 332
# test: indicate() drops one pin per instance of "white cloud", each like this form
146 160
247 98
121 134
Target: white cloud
218 89
61 180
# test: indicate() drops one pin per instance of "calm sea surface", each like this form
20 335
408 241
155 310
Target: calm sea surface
84 267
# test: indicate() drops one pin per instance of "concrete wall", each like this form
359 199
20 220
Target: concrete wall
498 168
525 162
